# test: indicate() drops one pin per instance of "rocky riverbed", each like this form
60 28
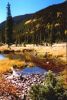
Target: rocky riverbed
22 83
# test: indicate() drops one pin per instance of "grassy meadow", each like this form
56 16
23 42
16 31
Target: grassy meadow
6 64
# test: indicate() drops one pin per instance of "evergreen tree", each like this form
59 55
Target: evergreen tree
9 26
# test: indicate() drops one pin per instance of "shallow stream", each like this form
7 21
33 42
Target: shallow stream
2 56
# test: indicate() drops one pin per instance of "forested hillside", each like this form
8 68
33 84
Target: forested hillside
47 25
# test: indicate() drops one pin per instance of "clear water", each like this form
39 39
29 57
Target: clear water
33 70
28 70
2 56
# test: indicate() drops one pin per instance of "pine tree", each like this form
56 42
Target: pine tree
9 26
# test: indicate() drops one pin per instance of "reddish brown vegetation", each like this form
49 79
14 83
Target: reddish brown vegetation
48 64
7 87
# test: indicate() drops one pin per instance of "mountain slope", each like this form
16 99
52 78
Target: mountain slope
17 19
46 25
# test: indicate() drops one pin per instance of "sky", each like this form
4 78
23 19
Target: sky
21 7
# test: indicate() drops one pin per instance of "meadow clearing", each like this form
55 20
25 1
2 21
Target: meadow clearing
56 50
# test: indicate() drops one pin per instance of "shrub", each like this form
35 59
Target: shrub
50 89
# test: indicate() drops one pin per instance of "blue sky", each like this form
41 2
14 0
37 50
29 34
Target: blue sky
21 7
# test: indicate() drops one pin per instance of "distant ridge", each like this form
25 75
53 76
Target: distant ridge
17 19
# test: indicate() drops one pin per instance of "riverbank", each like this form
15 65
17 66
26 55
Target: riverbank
58 50
16 54
6 64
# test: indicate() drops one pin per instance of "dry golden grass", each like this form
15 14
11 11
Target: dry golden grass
6 64
57 50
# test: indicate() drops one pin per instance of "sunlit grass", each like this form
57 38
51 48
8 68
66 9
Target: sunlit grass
6 64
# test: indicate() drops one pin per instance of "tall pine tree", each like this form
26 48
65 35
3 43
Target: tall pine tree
9 27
